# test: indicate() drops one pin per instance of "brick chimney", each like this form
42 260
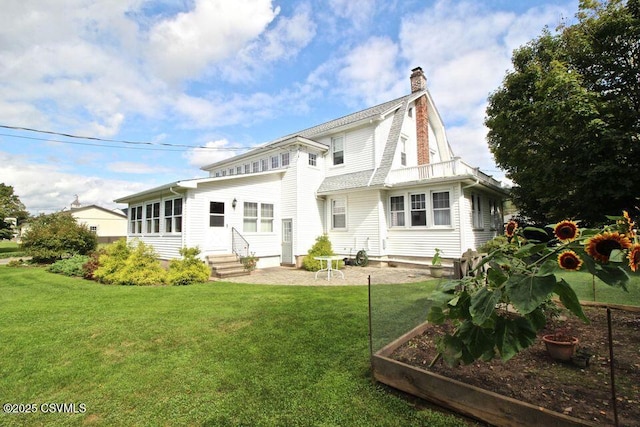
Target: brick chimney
418 83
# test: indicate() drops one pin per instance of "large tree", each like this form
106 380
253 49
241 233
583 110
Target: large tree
565 123
10 207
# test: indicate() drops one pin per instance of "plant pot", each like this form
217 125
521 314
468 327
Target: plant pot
560 350
436 271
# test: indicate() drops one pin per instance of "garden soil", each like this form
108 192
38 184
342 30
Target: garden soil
533 377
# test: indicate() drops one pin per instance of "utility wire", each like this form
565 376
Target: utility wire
93 138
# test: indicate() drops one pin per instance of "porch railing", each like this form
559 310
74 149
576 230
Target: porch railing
455 167
239 244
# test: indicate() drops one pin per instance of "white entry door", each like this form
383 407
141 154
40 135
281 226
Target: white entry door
287 241
218 232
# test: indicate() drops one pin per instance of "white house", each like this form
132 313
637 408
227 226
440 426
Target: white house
383 179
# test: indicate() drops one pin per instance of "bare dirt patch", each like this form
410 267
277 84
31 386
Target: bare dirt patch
533 377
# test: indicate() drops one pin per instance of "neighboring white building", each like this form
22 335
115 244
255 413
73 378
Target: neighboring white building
108 225
384 179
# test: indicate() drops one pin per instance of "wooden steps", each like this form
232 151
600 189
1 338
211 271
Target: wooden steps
225 265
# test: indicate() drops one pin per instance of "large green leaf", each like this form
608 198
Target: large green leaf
527 292
613 276
569 299
483 304
478 341
496 276
436 315
513 335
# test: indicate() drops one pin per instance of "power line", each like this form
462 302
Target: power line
157 145
92 145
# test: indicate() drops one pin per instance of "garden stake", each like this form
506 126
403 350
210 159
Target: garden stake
613 376
370 331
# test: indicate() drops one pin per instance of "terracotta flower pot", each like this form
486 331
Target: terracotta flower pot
560 350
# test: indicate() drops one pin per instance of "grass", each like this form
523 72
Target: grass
10 249
215 354
583 285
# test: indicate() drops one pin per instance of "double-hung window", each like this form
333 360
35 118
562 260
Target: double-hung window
250 221
476 211
441 208
313 159
397 211
418 210
216 214
266 217
135 218
238 170
338 213
247 168
255 167
258 213
173 216
275 162
264 165
285 159
337 150
153 217
403 151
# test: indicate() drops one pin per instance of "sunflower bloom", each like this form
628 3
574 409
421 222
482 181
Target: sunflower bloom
634 257
511 228
629 224
569 260
601 246
566 231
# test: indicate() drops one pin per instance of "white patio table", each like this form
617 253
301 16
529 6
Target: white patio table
329 265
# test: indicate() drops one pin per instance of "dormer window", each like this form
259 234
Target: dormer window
337 150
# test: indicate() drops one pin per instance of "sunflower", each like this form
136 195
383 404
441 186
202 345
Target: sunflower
511 228
569 260
628 224
566 231
634 257
601 245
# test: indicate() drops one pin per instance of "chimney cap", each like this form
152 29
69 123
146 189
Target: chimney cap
418 80
417 70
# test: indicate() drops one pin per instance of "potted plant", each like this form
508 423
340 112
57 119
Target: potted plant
436 269
561 345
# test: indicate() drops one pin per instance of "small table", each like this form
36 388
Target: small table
329 265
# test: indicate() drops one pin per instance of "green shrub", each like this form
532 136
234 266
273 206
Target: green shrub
493 244
69 266
57 236
92 264
122 264
187 270
322 247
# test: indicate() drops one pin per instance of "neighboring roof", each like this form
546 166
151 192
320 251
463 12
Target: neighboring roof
86 208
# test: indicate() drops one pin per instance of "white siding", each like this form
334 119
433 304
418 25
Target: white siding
308 210
245 188
362 232
358 151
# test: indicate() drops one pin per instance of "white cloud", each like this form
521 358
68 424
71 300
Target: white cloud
358 12
184 46
215 151
136 168
47 188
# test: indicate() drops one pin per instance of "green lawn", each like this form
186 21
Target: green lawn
215 354
9 249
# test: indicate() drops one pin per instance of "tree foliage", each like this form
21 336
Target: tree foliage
56 236
10 207
565 123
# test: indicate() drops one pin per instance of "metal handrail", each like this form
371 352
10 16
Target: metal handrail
239 245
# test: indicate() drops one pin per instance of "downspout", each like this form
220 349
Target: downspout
184 217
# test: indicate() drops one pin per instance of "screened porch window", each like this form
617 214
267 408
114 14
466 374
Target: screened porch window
418 210
153 217
397 211
441 208
173 216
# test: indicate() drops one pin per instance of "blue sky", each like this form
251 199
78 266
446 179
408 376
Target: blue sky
228 75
